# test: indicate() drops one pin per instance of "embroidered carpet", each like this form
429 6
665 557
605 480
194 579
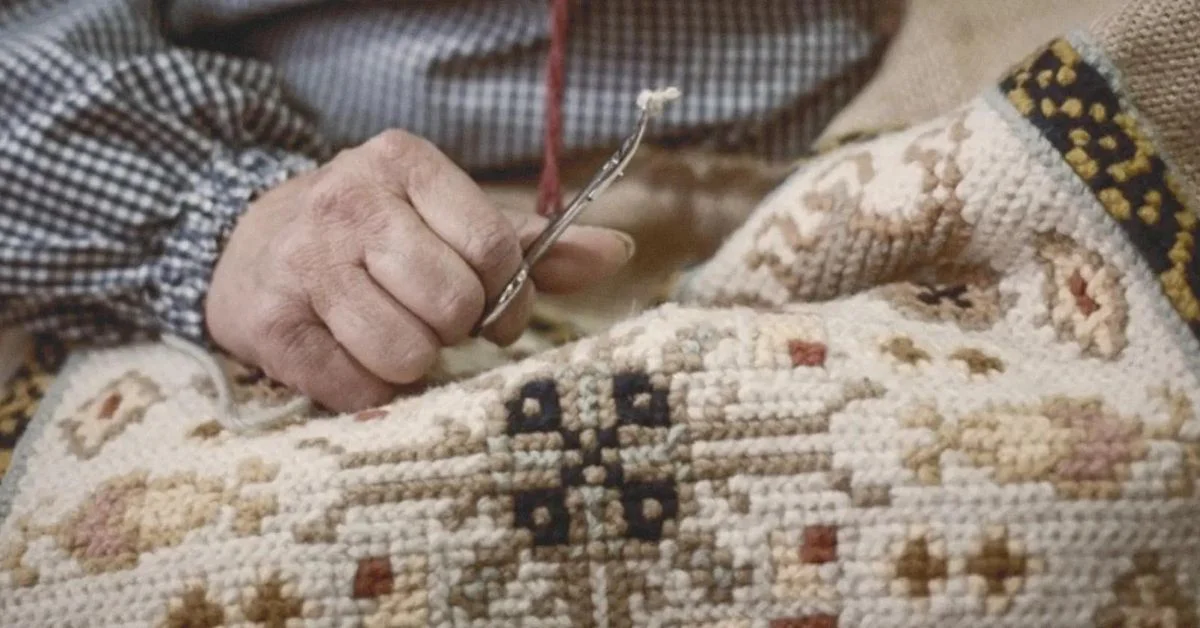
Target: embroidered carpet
944 377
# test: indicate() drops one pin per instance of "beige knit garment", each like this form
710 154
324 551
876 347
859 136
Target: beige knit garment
1154 44
948 50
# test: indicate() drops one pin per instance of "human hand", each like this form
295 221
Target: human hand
346 281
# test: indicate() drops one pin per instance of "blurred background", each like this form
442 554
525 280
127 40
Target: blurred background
946 51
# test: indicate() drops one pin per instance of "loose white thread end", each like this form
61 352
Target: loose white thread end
227 411
653 100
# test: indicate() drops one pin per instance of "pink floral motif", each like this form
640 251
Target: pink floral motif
98 536
1084 449
1101 445
1085 298
129 515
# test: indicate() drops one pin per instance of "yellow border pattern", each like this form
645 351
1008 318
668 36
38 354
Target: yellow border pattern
1075 107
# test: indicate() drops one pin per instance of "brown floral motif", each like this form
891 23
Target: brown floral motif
921 565
214 431
273 604
997 569
194 610
22 393
837 188
1080 446
904 351
255 471
977 362
967 296
122 402
321 445
1084 295
849 205
207 430
1149 595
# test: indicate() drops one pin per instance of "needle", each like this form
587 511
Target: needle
651 103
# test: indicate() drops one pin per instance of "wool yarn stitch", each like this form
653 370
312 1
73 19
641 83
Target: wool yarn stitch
942 377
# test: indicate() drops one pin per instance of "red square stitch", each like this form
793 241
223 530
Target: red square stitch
807 353
820 544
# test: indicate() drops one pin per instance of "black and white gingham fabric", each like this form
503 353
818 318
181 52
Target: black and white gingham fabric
133 132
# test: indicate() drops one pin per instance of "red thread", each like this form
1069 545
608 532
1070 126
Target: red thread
549 187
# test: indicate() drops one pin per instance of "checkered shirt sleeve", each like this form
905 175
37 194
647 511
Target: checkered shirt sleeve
123 163
127 150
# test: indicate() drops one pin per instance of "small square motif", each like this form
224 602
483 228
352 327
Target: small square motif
820 544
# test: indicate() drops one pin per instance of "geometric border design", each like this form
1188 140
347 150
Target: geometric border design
1078 111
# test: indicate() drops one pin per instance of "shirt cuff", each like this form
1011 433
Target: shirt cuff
205 216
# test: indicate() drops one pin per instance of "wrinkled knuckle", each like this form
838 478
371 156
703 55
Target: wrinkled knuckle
459 308
490 247
422 171
288 348
295 252
394 141
413 159
336 201
302 265
398 148
269 321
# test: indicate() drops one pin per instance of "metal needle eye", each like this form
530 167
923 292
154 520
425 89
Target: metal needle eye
651 104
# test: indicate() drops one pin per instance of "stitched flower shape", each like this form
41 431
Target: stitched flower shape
102 418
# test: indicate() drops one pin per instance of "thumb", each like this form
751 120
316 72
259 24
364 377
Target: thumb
583 255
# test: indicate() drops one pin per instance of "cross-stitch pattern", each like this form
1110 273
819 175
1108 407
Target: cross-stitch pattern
965 395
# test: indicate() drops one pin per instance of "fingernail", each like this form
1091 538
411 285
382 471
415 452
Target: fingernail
583 233
630 244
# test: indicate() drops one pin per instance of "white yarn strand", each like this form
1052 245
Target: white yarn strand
653 100
228 414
